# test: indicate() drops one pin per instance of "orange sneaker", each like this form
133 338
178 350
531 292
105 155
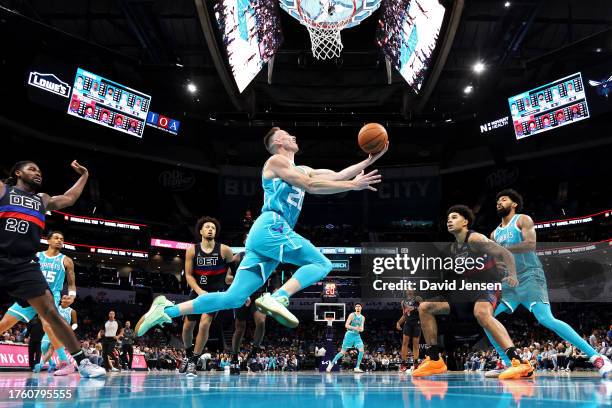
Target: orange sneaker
519 369
430 367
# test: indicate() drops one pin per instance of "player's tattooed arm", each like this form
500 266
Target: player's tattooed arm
70 280
527 226
278 166
72 195
483 245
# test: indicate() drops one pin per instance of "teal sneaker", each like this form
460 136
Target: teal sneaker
277 308
155 316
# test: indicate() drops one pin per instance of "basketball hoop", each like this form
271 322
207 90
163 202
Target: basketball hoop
330 320
325 38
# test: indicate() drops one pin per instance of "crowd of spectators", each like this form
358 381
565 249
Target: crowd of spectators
301 348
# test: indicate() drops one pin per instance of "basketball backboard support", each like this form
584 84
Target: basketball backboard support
324 20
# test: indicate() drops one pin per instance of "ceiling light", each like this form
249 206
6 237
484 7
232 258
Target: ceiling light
191 87
479 67
468 89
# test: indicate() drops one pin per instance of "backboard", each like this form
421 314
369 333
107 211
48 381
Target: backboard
330 11
324 20
329 311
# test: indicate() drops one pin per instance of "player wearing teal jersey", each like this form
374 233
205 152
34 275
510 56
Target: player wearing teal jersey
272 239
516 232
55 267
352 338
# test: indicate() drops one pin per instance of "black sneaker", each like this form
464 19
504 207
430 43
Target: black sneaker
191 369
183 367
234 365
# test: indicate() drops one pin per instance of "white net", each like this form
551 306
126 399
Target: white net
326 41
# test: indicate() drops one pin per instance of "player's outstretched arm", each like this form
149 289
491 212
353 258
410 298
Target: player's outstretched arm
279 166
351 171
72 195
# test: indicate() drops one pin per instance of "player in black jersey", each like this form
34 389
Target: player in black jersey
240 317
410 326
474 265
22 220
207 267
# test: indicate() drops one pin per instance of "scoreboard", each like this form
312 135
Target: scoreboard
550 106
108 103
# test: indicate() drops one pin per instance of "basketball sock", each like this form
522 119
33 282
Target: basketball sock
359 358
542 312
61 353
44 347
280 292
195 357
78 356
173 311
189 352
338 357
512 354
433 352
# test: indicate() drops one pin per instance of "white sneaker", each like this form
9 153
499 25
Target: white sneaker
89 370
603 365
330 366
493 373
114 370
267 304
357 370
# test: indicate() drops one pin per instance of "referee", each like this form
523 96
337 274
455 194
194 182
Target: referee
109 339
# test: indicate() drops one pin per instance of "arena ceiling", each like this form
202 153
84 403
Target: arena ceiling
164 39
160 46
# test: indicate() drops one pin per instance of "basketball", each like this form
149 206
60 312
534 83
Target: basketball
372 138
